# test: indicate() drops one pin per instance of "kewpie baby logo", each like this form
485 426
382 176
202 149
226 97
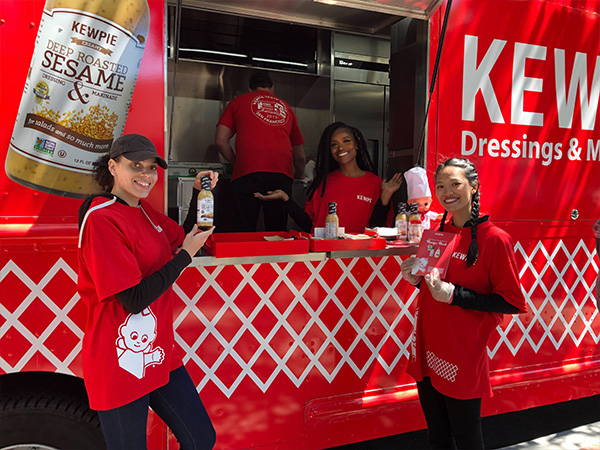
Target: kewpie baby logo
134 344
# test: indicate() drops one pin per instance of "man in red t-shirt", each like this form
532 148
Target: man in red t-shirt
268 153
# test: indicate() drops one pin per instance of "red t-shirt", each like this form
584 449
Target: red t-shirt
449 344
125 356
266 129
355 197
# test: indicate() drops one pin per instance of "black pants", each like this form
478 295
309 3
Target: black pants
248 207
177 403
451 423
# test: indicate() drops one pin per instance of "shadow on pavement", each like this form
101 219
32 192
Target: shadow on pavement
511 428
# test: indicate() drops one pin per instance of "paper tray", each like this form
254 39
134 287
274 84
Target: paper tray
227 245
341 245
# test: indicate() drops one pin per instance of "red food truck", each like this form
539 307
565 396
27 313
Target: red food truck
308 349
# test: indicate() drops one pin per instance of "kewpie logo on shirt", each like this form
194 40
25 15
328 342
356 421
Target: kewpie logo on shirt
134 344
459 255
270 110
364 198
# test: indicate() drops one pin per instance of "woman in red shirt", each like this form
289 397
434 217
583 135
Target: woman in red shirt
344 174
456 316
129 256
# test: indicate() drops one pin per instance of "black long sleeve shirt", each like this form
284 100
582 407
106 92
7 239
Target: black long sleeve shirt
469 299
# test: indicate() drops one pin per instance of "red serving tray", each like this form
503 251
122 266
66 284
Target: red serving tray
341 245
226 245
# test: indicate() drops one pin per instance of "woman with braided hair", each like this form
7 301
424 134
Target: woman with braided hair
456 316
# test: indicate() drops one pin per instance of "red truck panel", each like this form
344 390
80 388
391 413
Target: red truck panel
312 354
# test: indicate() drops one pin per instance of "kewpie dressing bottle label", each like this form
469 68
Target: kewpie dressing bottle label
331 230
78 91
415 226
332 222
206 205
402 223
415 231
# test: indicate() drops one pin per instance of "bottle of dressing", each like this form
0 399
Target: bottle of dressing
402 222
415 226
206 205
332 222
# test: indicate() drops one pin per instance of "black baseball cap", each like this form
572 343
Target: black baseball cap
135 147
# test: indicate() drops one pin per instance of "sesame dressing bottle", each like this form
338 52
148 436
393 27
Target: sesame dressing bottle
332 222
402 222
77 93
415 227
206 206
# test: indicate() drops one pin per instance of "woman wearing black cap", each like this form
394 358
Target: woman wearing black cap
129 256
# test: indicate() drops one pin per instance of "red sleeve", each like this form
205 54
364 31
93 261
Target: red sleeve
108 256
227 118
296 137
174 232
504 276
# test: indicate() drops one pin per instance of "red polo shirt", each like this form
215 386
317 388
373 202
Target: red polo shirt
266 129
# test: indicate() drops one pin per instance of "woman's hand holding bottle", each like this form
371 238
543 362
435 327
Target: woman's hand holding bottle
214 178
195 239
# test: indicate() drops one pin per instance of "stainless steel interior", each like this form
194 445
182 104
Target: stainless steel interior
204 89
360 97
349 82
375 16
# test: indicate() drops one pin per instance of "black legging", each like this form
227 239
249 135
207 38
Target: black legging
451 423
177 403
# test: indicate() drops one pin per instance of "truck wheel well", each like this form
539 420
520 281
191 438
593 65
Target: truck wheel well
43 382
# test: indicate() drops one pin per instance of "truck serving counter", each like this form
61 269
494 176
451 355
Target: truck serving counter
320 338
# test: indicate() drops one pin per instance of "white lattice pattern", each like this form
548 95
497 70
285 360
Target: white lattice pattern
557 296
37 340
557 281
329 330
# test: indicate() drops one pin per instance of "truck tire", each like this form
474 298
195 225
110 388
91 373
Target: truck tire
46 422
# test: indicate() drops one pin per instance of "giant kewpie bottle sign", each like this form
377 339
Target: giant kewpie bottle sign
77 94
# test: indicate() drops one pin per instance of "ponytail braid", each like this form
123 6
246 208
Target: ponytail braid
473 251
443 220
